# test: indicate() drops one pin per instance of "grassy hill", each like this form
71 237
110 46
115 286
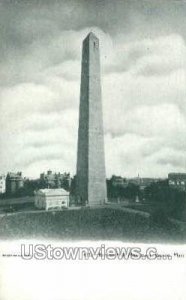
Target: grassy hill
92 224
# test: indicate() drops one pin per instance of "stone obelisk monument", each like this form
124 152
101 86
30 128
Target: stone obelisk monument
91 179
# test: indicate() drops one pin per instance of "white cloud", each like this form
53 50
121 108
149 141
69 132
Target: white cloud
144 90
148 57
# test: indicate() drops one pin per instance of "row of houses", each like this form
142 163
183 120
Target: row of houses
177 180
118 181
13 183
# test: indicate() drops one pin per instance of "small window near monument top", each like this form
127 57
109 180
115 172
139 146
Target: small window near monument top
95 45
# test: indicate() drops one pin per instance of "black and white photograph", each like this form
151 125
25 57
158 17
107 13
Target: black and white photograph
92 149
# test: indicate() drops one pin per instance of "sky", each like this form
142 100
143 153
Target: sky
143 64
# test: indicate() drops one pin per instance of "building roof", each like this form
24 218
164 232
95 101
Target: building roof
176 176
53 192
17 175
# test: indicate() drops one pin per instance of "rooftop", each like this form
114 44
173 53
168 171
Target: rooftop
52 192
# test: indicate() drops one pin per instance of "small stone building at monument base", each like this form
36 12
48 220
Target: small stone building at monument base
51 198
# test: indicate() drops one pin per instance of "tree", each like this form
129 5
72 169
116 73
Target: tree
170 201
